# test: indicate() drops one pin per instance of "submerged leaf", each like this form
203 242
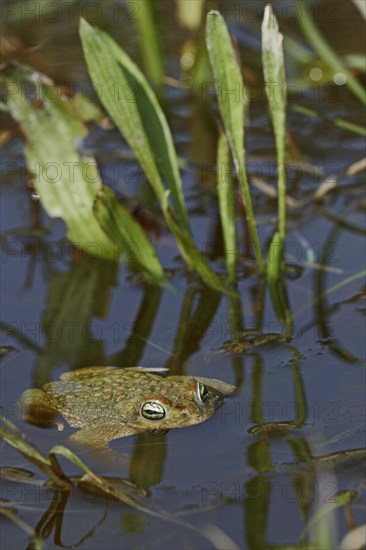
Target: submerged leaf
20 475
272 429
249 339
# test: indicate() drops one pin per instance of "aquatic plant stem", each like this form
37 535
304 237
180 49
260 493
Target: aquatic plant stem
340 122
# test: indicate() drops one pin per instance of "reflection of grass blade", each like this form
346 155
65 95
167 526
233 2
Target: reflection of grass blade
66 182
131 103
257 504
126 232
320 303
227 77
300 393
197 313
325 51
143 324
14 332
51 467
9 513
274 77
226 196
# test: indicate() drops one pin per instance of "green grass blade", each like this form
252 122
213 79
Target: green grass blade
275 82
130 101
149 42
226 196
229 86
128 98
275 257
126 232
66 182
277 283
326 52
187 244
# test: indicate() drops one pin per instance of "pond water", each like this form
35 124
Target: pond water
288 441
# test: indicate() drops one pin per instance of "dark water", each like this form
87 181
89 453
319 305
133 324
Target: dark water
67 311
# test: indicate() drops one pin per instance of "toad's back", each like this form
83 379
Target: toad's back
102 393
109 402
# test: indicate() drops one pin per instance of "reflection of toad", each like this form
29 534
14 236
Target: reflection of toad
107 403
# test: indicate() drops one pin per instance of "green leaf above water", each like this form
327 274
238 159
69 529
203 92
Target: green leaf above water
129 100
226 195
228 78
275 81
275 258
53 132
66 181
126 232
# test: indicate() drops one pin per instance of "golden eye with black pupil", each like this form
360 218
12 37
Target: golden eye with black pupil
202 392
153 410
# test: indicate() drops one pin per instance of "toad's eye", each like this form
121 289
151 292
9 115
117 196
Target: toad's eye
202 392
153 410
